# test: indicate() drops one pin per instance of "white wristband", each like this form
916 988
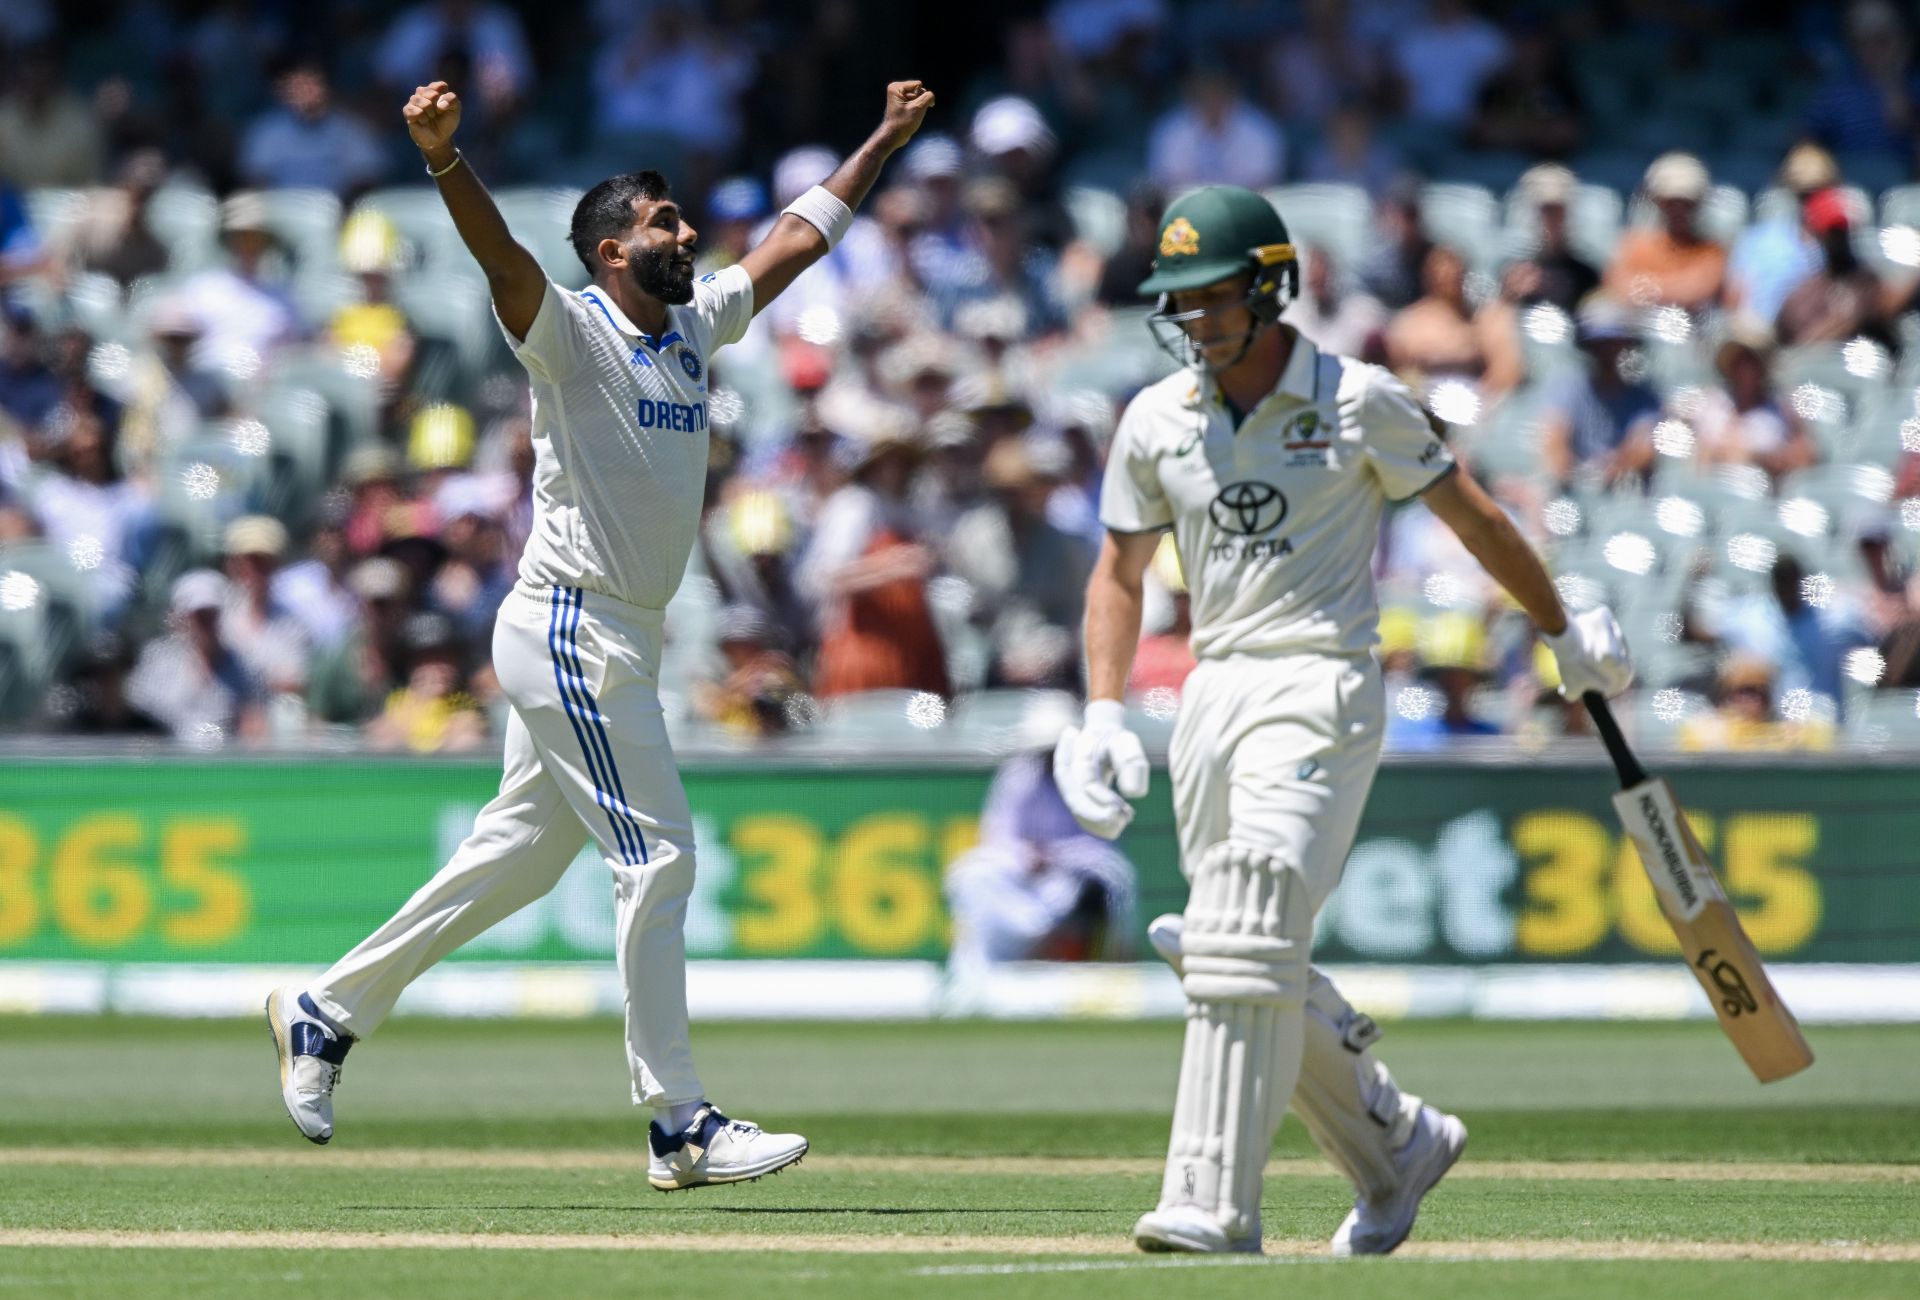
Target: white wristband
825 213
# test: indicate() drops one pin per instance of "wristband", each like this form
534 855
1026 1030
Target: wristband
819 208
1105 715
436 175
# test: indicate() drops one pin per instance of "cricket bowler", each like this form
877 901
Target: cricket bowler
1272 461
620 374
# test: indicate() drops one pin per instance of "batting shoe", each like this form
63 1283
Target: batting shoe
1376 1226
1187 1229
1164 934
714 1149
310 1057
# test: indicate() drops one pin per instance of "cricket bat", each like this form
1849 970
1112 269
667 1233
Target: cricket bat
1717 949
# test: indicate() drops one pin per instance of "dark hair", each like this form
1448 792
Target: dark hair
607 209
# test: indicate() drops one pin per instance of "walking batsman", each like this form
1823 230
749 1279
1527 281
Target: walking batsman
1272 462
620 413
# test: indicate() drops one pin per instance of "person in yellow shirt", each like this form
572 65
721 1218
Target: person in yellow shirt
1743 716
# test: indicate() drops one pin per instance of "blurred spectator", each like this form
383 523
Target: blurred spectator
29 390
1773 257
935 168
1323 65
351 682
1014 141
1442 61
99 705
756 696
1397 251
88 508
671 74
735 207
1596 416
190 679
1741 423
1028 578
244 317
1215 137
1438 336
1674 264
487 37
375 327
859 269
372 478
1452 648
1743 716
748 544
1132 262
1037 887
866 570
477 575
169 396
1843 298
1900 644
1004 267
432 713
1164 658
1348 153
115 236
314 590
49 137
1553 272
270 642
1867 104
1805 642
1532 104
21 252
1339 318
309 140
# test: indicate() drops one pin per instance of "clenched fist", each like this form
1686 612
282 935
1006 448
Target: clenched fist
907 105
433 115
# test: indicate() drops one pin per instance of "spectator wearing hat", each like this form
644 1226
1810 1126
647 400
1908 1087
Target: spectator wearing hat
244 316
169 394
1006 268
1843 299
98 705
1397 248
1596 416
736 206
749 545
115 235
866 568
1012 140
477 575
1672 264
433 712
1773 257
271 643
1739 422
372 479
1743 715
190 679
351 681
1026 576
1552 272
49 136
376 326
308 141
1870 102
934 169
1214 136
754 698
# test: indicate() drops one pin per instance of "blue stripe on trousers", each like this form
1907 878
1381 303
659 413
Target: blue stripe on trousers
554 623
572 641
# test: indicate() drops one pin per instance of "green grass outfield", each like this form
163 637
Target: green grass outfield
152 1158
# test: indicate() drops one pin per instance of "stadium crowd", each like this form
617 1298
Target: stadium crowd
264 461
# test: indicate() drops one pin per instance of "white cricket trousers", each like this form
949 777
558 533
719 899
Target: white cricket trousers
586 754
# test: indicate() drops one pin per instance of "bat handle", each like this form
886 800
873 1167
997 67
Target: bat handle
1631 773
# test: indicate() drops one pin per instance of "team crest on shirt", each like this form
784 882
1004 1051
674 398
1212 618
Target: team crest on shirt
690 363
1306 440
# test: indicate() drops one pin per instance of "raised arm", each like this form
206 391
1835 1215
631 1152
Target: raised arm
513 276
797 242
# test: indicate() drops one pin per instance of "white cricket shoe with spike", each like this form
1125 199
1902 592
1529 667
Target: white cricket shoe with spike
714 1149
311 1054
1375 1227
1188 1229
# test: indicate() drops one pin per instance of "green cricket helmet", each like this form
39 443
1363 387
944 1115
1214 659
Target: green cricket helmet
1212 234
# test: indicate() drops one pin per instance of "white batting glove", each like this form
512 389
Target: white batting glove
1091 760
1592 655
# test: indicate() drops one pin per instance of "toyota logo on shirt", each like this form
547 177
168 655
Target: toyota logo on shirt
1248 508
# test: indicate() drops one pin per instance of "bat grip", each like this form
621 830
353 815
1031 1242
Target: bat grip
1631 773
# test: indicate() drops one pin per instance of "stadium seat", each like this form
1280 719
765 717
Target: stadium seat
54 213
1336 218
187 220
1593 223
1464 217
307 222
1886 718
352 402
421 218
300 450
454 308
1099 217
60 601
540 218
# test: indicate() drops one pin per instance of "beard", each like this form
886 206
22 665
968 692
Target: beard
665 274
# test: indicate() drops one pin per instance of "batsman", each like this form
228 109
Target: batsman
1272 462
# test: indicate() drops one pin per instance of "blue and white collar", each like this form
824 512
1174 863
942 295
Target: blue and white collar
618 319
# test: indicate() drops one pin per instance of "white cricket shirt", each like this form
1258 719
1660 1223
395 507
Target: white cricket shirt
620 436
1275 522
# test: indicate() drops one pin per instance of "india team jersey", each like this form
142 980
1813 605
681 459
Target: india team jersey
1275 522
620 436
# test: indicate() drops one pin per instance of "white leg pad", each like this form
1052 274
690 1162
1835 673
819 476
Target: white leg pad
1349 1102
1249 926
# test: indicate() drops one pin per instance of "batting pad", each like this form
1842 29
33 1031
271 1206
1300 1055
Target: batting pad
1349 1102
1248 929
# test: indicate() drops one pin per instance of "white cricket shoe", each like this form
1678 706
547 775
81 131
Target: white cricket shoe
714 1149
1375 1227
1164 934
1190 1230
310 1058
